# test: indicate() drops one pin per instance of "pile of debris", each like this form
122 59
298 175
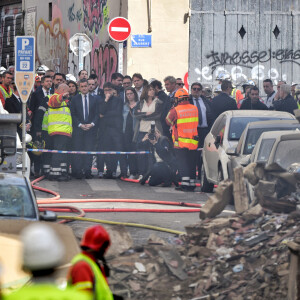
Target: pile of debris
238 257
244 256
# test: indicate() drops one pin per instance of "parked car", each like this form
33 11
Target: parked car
281 147
18 201
225 133
240 155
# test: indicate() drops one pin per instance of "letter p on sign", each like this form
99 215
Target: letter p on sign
25 42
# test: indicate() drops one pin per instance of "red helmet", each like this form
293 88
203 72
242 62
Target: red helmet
95 237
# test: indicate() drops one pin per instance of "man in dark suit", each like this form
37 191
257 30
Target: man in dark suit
166 100
205 119
14 106
84 111
97 90
224 102
111 111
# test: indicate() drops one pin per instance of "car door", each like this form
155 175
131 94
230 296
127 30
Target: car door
211 144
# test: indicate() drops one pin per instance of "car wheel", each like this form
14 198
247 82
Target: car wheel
206 186
220 175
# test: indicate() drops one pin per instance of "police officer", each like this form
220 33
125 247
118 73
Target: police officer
43 252
183 118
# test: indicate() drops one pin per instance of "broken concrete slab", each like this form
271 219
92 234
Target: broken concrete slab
218 201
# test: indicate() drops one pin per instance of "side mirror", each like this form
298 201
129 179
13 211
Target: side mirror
48 216
245 161
231 151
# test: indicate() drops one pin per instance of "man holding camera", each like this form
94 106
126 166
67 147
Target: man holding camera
164 169
183 118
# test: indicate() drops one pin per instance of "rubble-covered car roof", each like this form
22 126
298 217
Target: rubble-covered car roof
260 113
274 138
271 123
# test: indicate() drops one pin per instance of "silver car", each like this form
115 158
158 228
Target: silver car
17 199
281 147
224 134
240 155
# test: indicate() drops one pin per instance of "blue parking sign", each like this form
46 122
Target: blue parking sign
25 48
24 65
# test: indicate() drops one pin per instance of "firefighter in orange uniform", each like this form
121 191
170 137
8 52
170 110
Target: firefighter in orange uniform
183 118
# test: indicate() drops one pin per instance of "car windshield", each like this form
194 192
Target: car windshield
287 152
238 124
254 134
15 201
265 149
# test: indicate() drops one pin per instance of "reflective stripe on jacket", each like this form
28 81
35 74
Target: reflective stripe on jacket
187 122
46 291
4 92
59 116
101 288
45 121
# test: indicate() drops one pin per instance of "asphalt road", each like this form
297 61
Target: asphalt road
118 189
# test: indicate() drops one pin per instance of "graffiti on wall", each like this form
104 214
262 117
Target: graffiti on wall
52 46
241 66
95 14
74 15
11 25
102 61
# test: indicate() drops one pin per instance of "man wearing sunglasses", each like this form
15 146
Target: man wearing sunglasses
179 83
205 118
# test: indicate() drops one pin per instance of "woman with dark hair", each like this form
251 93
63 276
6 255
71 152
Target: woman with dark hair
131 99
148 109
73 89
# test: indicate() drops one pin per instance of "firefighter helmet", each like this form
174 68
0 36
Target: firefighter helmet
42 248
2 70
70 77
36 145
223 76
95 238
180 95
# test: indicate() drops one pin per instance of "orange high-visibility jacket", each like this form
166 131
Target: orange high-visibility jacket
187 122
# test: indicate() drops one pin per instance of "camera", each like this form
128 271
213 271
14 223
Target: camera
151 135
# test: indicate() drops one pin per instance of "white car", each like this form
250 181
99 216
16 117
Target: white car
281 147
224 134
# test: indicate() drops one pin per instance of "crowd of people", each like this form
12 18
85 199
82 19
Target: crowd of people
130 114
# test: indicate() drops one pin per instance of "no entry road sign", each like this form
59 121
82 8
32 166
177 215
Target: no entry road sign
119 29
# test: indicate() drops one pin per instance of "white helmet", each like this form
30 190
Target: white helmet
223 76
249 82
2 70
70 77
218 89
42 249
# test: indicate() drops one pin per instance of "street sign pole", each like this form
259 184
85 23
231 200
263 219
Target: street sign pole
121 57
119 30
23 137
24 79
80 54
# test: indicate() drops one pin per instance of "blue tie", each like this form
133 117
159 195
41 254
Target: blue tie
86 112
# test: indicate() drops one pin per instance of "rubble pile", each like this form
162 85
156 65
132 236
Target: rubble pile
243 256
237 257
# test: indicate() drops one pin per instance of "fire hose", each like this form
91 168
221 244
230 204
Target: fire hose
56 200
